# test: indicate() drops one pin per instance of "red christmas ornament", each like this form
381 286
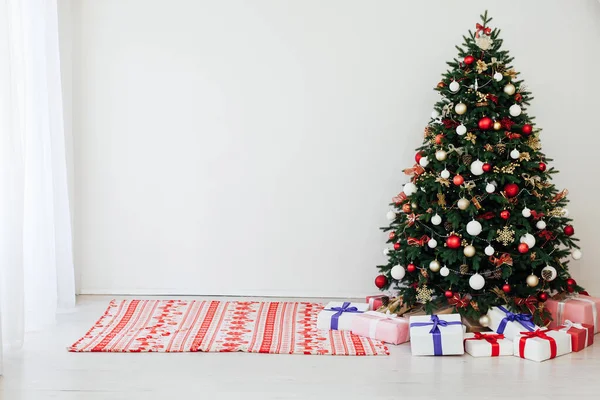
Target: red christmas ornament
438 138
511 189
448 294
523 248
411 267
569 230
542 167
485 123
392 235
505 214
506 288
458 180
570 289
542 297
527 129
571 282
396 246
453 242
418 156
487 167
381 281
469 60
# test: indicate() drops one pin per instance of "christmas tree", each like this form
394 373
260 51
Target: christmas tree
480 223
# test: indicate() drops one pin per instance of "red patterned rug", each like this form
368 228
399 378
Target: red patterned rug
219 326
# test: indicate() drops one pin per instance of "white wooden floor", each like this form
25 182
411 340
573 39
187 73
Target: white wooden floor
45 370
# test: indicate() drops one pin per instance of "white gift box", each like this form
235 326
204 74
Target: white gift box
538 349
478 346
337 319
436 335
509 324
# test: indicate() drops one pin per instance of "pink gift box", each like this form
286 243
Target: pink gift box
579 309
385 327
375 302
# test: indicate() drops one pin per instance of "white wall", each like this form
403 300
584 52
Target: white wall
251 147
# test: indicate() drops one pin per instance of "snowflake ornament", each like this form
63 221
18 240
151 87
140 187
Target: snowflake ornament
424 294
505 236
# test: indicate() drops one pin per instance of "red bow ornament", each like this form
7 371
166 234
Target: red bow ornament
530 302
418 242
492 339
512 135
536 334
415 171
458 302
400 198
503 259
481 28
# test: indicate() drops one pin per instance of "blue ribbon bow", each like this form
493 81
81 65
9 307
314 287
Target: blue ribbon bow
436 322
344 308
523 319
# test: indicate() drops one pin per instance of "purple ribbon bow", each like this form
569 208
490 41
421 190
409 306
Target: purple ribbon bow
435 332
523 319
344 308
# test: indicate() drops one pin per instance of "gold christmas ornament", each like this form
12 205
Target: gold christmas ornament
488 147
470 137
532 280
460 108
524 156
481 66
497 126
484 321
501 148
469 251
424 294
463 269
505 235
441 200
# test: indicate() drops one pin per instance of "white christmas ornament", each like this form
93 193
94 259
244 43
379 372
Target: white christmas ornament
432 243
436 219
469 251
454 86
391 215
440 155
489 250
463 203
576 254
498 76
424 161
476 282
513 154
529 239
477 167
474 228
398 272
515 110
526 212
490 188
434 266
509 89
444 271
532 280
551 273
541 225
435 114
461 130
445 173
410 188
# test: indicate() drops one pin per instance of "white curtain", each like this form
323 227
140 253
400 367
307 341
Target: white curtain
36 262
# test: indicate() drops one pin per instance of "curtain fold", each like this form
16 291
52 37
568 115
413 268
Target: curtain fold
36 261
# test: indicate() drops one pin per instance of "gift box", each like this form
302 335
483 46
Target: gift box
541 345
376 302
582 335
433 335
474 326
509 324
480 344
338 316
576 308
388 328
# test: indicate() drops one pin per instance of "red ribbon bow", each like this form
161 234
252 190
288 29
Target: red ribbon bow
400 198
418 242
546 234
458 302
530 302
512 135
503 259
486 216
536 215
450 124
536 334
492 339
415 171
481 28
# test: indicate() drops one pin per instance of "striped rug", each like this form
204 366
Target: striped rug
219 326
